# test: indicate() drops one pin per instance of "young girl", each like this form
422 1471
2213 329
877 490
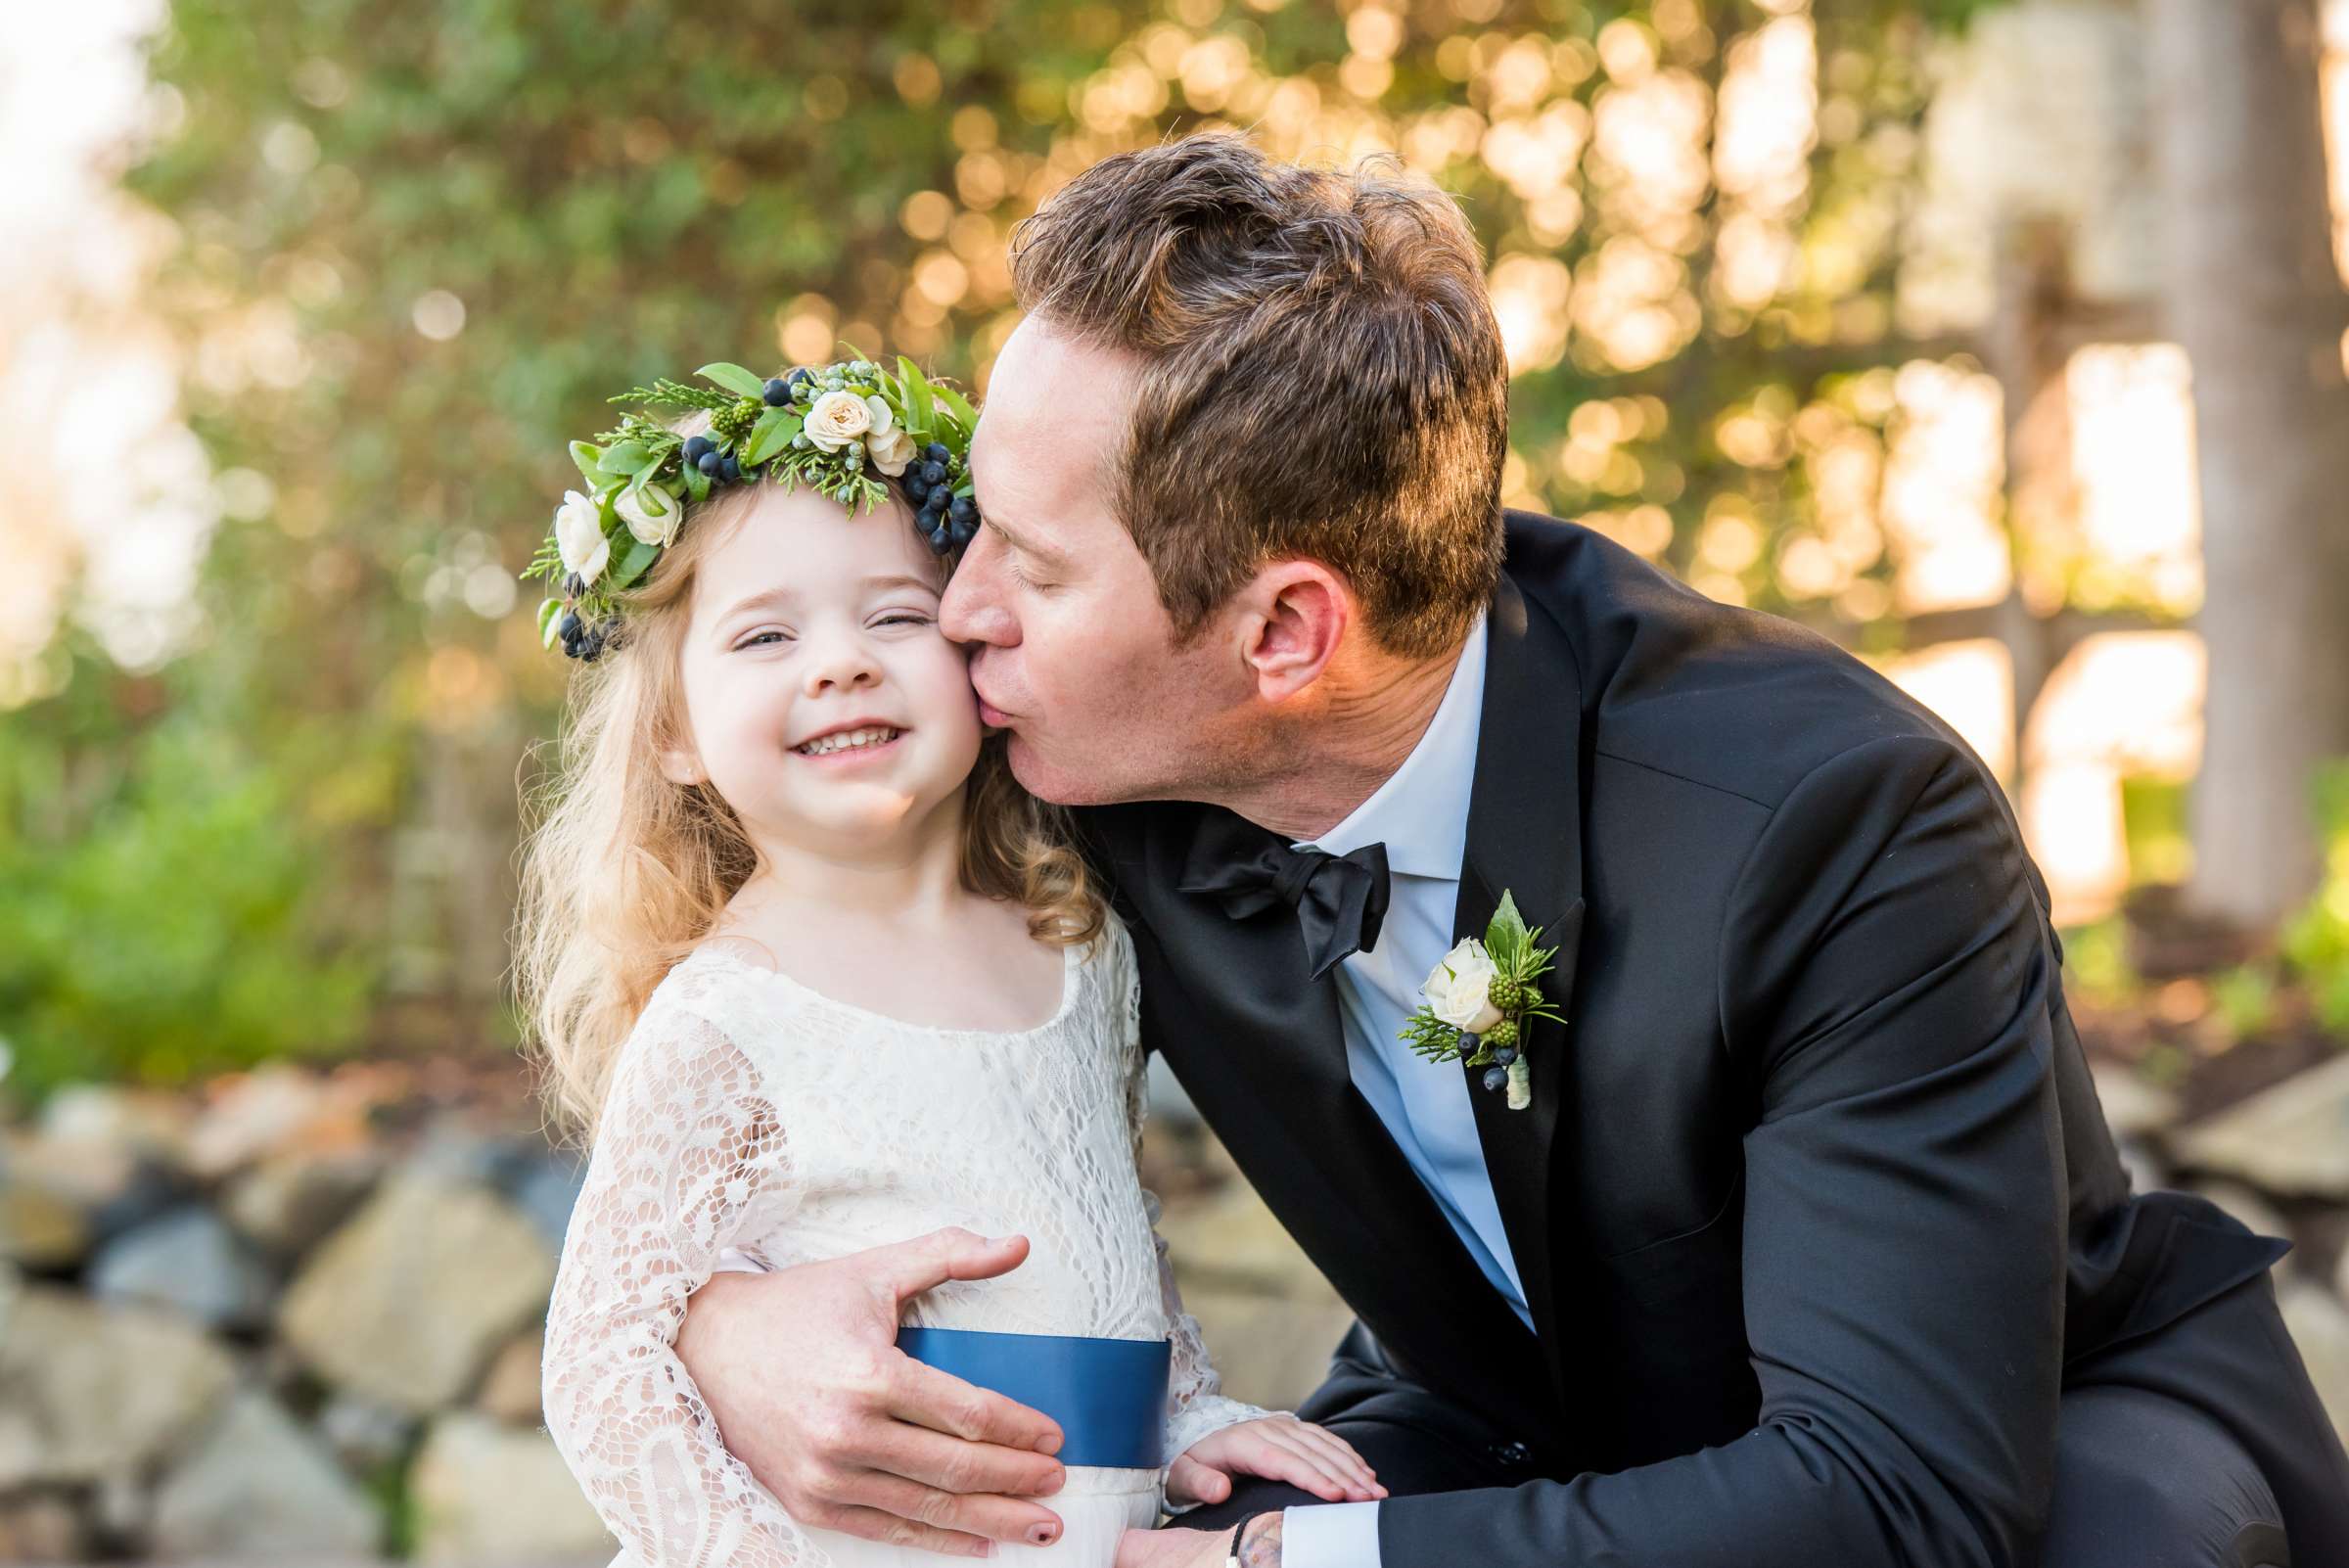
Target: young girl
818 976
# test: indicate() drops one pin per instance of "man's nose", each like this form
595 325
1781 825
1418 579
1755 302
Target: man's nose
972 610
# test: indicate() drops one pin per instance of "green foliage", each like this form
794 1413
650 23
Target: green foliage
2096 963
421 243
2316 943
2244 998
160 907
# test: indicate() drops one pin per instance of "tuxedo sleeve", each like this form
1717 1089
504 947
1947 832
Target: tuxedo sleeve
1884 986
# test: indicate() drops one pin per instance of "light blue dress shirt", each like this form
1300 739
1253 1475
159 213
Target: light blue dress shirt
1420 814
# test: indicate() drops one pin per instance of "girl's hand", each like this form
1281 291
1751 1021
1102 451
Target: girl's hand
1277 1448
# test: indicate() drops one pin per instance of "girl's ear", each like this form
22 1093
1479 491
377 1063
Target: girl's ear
682 768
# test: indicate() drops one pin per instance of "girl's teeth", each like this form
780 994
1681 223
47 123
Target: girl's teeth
842 742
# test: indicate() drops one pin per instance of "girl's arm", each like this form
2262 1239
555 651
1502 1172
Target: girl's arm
1195 1404
689 1157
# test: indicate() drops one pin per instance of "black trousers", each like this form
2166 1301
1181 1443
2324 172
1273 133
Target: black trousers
2199 1445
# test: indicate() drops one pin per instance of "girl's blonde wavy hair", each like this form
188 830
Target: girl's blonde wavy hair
623 871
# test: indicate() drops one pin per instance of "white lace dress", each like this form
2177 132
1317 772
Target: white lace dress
752 1122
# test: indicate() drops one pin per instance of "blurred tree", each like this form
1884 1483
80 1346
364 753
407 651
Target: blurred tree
2255 296
421 243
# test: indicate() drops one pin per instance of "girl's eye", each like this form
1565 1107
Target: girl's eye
763 636
905 617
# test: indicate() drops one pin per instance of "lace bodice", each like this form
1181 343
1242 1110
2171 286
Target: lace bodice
751 1116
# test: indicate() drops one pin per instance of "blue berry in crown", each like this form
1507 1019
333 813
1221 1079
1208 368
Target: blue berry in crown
846 430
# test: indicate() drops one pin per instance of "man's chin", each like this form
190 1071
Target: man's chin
1040 778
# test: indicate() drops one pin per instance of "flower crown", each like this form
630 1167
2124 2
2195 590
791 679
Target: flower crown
835 427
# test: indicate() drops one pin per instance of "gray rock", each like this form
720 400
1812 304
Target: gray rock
1229 1241
288 1201
258 1488
510 1390
1268 1350
2146 1169
2291 1138
2319 1325
2133 1107
256 1116
151 1191
96 1118
89 1392
2242 1203
39 1227
544 1188
41 1528
1269 1319
1168 1098
485 1493
190 1261
405 1303
364 1435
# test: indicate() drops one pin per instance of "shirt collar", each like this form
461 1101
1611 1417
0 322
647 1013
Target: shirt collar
1420 814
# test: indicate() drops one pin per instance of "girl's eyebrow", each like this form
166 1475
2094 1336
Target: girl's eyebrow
756 601
899 580
887 582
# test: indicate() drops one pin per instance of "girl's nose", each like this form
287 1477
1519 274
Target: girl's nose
844 663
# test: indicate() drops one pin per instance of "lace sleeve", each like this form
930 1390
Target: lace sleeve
1195 1402
689 1156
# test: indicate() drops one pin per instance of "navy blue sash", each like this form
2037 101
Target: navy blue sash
1108 1395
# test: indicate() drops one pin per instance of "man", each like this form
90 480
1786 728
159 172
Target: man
1811 1247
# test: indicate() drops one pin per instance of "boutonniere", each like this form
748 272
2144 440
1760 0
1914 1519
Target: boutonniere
1482 1000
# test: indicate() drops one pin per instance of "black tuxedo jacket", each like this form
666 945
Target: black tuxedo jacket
1813 1200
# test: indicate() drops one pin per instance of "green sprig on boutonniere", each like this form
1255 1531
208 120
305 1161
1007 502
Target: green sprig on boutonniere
1481 1002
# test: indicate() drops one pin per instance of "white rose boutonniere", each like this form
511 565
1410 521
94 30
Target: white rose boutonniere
839 418
580 536
1460 990
651 514
1481 1002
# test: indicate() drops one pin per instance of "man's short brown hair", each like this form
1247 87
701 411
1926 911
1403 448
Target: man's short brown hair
1322 375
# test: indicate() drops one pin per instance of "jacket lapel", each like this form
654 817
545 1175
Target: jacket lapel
1525 837
1266 1060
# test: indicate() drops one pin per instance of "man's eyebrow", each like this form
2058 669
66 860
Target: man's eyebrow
1026 545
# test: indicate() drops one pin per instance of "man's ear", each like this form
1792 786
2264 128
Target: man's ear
1296 616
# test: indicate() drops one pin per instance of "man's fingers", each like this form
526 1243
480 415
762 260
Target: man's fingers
873 1525
951 1464
923 1262
982 1515
945 1402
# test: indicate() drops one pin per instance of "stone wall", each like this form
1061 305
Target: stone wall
297 1317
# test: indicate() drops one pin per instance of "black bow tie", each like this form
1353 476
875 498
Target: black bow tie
1341 899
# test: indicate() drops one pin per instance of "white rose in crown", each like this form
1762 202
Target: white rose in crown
840 417
580 536
889 451
650 514
1460 990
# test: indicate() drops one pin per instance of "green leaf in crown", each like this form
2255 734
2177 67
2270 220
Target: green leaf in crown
1480 1002
847 429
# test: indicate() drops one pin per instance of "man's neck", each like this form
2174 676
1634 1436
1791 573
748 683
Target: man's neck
1335 758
